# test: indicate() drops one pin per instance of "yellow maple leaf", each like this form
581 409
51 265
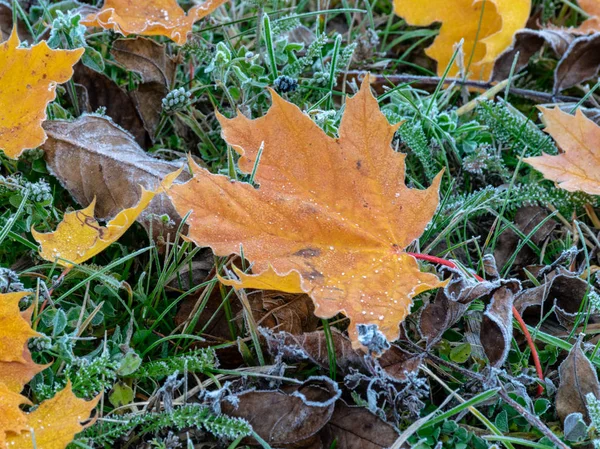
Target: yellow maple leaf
28 80
334 213
487 27
79 236
12 418
577 168
151 17
16 366
54 423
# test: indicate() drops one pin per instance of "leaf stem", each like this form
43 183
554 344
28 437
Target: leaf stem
516 314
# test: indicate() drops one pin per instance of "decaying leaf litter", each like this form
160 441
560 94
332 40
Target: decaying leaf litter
363 225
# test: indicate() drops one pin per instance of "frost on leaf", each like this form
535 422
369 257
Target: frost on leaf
79 236
335 213
487 27
29 77
577 168
150 17
16 366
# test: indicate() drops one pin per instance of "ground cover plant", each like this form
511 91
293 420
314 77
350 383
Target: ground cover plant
299 224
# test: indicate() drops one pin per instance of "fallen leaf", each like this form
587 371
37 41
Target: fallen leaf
577 55
283 418
12 418
29 78
576 168
562 290
396 362
288 312
150 60
54 422
527 218
147 58
96 90
16 366
450 304
6 23
347 249
526 44
486 33
496 324
79 236
577 378
357 428
94 158
591 24
151 17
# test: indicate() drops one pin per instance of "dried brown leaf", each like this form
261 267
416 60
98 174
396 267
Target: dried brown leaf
496 324
291 417
147 58
357 428
577 378
94 158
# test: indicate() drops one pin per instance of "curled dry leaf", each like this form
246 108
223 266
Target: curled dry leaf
347 251
563 290
496 324
578 55
577 378
577 168
94 158
275 415
357 428
150 17
486 33
29 78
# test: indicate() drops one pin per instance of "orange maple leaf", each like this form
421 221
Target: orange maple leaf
577 167
332 216
487 27
29 77
150 17
591 24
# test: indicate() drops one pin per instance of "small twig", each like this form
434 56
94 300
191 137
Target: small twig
545 97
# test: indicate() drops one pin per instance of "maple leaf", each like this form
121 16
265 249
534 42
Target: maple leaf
12 418
79 237
29 77
592 24
16 366
334 212
487 27
54 423
150 17
577 167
